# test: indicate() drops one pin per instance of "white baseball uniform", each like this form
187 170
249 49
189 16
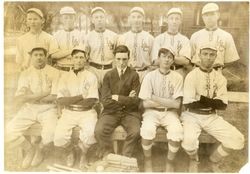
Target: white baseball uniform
140 46
68 40
100 47
35 81
212 85
26 42
165 86
85 84
178 43
223 40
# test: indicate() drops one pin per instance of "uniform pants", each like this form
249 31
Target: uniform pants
106 125
214 125
169 120
86 120
45 114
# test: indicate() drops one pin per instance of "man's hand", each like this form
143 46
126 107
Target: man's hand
115 97
132 93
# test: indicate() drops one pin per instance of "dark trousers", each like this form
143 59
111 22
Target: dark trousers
106 125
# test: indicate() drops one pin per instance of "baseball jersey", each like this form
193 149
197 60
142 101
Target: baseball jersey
140 46
179 44
84 83
223 40
26 42
166 86
68 40
38 80
198 82
100 46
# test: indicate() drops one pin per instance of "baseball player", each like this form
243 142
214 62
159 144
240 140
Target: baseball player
161 92
100 44
138 41
77 93
67 39
227 52
37 88
173 39
205 91
119 98
36 36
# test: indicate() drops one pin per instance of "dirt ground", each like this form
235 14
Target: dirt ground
236 113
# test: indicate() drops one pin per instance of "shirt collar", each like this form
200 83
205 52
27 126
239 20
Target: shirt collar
119 70
164 74
206 71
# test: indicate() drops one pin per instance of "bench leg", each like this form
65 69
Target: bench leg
115 145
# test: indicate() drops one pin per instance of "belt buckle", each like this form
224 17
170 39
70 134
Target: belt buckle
102 67
166 109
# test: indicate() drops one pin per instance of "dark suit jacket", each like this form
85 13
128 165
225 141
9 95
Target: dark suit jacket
114 85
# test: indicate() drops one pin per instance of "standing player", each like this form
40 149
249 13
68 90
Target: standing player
205 91
119 98
227 52
138 41
35 36
37 87
161 92
77 93
67 39
174 40
100 44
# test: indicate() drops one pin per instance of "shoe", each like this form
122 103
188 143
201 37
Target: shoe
70 159
169 166
28 159
38 157
148 164
193 166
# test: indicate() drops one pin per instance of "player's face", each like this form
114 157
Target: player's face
207 57
68 21
79 60
136 20
34 21
38 59
174 21
166 60
210 19
99 20
121 60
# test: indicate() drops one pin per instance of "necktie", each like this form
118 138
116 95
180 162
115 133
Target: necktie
122 74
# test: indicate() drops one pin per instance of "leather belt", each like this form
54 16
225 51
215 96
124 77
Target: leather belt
63 68
99 66
141 69
176 67
76 108
164 109
202 111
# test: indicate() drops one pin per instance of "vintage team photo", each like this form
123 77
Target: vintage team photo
126 86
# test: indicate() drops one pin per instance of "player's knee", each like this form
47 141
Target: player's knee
175 133
237 140
147 132
60 139
190 142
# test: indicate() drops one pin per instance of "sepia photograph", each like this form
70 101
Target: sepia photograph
116 86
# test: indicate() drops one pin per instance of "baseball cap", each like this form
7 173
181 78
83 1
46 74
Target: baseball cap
36 10
174 10
137 9
209 46
79 48
97 9
67 10
169 49
38 47
210 7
